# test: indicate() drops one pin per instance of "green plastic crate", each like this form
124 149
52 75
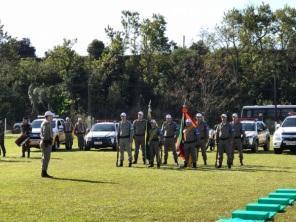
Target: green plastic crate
285 190
265 207
251 215
238 220
269 200
291 196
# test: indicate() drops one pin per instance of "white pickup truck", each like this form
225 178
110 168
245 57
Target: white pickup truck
285 136
57 128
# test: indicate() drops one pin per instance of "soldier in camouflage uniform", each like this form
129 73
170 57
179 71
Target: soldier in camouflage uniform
203 131
169 131
238 137
154 139
125 137
26 130
190 139
139 126
46 142
224 138
79 131
68 128
2 135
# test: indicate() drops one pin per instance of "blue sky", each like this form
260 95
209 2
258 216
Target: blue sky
48 22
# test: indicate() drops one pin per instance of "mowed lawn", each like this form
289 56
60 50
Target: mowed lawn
88 187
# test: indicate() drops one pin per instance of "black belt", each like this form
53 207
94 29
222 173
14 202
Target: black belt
68 131
155 140
192 141
139 134
237 137
168 137
202 138
122 137
224 138
79 133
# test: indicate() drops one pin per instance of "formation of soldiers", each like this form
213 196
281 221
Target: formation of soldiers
228 136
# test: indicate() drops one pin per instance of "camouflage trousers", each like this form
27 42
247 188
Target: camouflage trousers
154 152
190 148
125 145
224 146
237 143
140 142
169 143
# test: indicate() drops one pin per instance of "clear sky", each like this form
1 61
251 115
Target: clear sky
48 22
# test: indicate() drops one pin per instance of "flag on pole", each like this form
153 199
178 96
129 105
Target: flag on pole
180 139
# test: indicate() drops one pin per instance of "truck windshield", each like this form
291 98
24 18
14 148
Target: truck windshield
248 126
103 127
290 122
37 123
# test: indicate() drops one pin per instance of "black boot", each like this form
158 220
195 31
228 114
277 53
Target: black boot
121 163
176 162
151 165
229 165
28 156
158 165
165 162
205 162
193 165
130 164
44 174
136 160
185 165
241 162
144 161
4 154
23 154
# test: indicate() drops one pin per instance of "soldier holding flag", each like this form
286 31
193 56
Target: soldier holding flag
190 138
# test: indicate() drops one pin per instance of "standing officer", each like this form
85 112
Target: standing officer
68 127
79 131
190 139
46 142
169 131
203 131
238 137
224 138
139 126
26 130
2 135
125 135
154 140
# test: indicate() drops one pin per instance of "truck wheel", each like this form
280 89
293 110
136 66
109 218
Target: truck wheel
278 150
255 147
267 145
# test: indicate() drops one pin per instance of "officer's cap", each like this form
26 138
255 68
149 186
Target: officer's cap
79 118
67 118
198 115
123 115
141 113
168 116
48 113
234 115
224 115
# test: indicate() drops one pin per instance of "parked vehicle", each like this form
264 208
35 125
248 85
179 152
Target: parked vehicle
101 135
257 134
57 128
285 136
16 128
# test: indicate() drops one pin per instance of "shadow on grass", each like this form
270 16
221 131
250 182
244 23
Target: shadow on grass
14 161
39 158
213 168
82 180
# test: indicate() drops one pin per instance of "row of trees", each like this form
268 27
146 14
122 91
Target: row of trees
233 66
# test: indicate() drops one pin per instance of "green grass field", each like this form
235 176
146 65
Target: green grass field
88 187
